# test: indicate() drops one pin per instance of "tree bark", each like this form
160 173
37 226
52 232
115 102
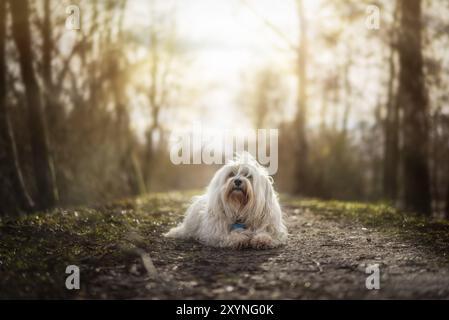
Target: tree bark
13 192
42 163
413 101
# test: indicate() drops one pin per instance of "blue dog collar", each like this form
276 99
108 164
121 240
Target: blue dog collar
237 226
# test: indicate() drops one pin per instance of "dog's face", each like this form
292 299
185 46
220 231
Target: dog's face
238 188
243 187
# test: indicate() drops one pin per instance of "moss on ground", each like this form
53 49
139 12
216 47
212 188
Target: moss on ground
36 249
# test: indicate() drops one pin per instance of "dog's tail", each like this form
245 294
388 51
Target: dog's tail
188 228
176 232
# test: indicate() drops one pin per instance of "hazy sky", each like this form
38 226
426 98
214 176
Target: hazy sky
225 40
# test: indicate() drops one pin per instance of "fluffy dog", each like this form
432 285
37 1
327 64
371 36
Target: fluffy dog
240 209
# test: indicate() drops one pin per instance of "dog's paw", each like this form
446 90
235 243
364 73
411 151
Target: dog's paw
239 240
262 241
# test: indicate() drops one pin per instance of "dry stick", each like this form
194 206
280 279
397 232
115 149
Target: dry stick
148 264
318 265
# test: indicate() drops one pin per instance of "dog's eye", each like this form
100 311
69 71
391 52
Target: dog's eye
231 174
250 177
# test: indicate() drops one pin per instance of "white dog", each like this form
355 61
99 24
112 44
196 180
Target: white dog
240 209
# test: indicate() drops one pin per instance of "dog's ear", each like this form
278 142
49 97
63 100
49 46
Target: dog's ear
273 212
215 204
264 201
269 191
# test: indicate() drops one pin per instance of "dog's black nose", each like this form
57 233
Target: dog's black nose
237 182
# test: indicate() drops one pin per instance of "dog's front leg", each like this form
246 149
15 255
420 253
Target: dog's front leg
215 232
262 240
233 239
239 239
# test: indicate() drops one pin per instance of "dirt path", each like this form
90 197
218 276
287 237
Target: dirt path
324 258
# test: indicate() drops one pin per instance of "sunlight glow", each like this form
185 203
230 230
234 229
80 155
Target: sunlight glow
225 40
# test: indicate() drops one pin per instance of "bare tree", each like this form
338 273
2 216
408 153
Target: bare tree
447 201
300 123
348 94
392 124
53 109
13 192
414 101
301 113
163 58
119 76
263 98
42 162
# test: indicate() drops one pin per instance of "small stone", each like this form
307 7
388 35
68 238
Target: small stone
229 288
133 269
193 283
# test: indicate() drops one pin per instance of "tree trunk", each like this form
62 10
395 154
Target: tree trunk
153 95
391 142
12 189
42 164
150 157
392 122
52 111
47 47
447 201
413 100
301 184
348 94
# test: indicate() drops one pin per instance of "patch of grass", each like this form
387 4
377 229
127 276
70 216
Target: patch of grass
36 249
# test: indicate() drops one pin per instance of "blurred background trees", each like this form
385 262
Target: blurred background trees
86 115
13 191
413 100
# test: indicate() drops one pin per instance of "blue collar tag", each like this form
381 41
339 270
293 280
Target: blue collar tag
237 226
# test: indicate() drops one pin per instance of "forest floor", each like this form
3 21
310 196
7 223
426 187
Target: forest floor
121 253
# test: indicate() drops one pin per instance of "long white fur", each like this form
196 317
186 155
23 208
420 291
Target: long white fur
210 216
